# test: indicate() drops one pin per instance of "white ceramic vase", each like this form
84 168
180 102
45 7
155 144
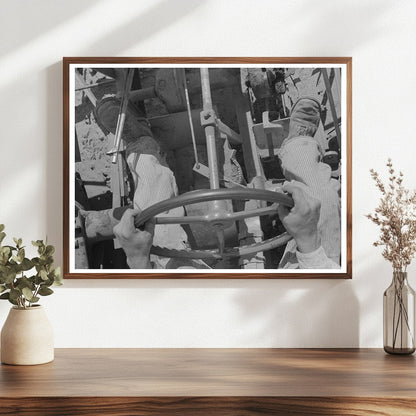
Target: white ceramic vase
27 337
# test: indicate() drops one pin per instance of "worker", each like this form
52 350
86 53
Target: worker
300 156
316 242
301 223
314 221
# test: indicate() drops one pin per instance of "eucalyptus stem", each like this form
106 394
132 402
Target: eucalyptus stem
36 291
23 280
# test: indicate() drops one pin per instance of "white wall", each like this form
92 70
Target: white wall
380 36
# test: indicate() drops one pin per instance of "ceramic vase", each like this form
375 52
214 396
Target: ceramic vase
27 337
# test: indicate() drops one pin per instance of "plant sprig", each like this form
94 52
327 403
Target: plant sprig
396 217
15 285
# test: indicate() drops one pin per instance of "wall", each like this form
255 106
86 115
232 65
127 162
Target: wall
378 34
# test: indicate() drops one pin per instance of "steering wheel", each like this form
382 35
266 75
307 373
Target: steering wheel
218 220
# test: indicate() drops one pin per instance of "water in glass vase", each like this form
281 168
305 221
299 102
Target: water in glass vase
399 316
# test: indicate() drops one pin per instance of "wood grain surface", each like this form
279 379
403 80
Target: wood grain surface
208 406
212 381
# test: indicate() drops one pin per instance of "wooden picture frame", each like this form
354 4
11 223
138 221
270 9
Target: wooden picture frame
209 123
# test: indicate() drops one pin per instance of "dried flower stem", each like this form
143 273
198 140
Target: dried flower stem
396 216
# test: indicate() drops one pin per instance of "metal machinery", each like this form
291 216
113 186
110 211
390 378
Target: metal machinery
209 113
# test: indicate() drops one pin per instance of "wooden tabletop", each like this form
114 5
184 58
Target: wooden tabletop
218 376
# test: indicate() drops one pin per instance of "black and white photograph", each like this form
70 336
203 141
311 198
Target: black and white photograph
212 169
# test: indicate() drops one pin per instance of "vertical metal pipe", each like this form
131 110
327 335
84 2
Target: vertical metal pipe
217 207
214 181
328 88
206 89
191 124
122 114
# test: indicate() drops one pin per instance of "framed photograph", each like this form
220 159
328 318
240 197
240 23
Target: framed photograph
207 168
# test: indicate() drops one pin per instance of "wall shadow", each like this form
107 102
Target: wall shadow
323 17
158 17
41 16
301 313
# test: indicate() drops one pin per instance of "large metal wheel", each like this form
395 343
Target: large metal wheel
217 220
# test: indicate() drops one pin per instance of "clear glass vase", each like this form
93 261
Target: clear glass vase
399 316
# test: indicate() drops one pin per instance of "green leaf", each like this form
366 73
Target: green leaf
26 264
18 242
49 250
15 294
2 288
2 227
4 254
21 255
45 291
5 250
27 293
13 302
47 260
5 295
43 275
57 276
14 268
3 271
37 243
11 248
24 282
38 280
48 282
8 277
30 297
2 236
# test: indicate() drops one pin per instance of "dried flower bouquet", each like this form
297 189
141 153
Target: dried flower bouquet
396 217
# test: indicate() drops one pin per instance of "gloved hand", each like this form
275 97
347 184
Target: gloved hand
135 242
301 221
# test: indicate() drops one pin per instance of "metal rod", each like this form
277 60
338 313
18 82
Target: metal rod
209 218
331 104
216 206
233 136
143 94
284 104
270 146
98 84
221 240
206 89
122 114
214 180
88 92
191 124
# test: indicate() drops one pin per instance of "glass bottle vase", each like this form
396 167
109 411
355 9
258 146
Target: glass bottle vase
399 316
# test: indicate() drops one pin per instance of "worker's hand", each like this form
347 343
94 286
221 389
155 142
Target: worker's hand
135 242
301 222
